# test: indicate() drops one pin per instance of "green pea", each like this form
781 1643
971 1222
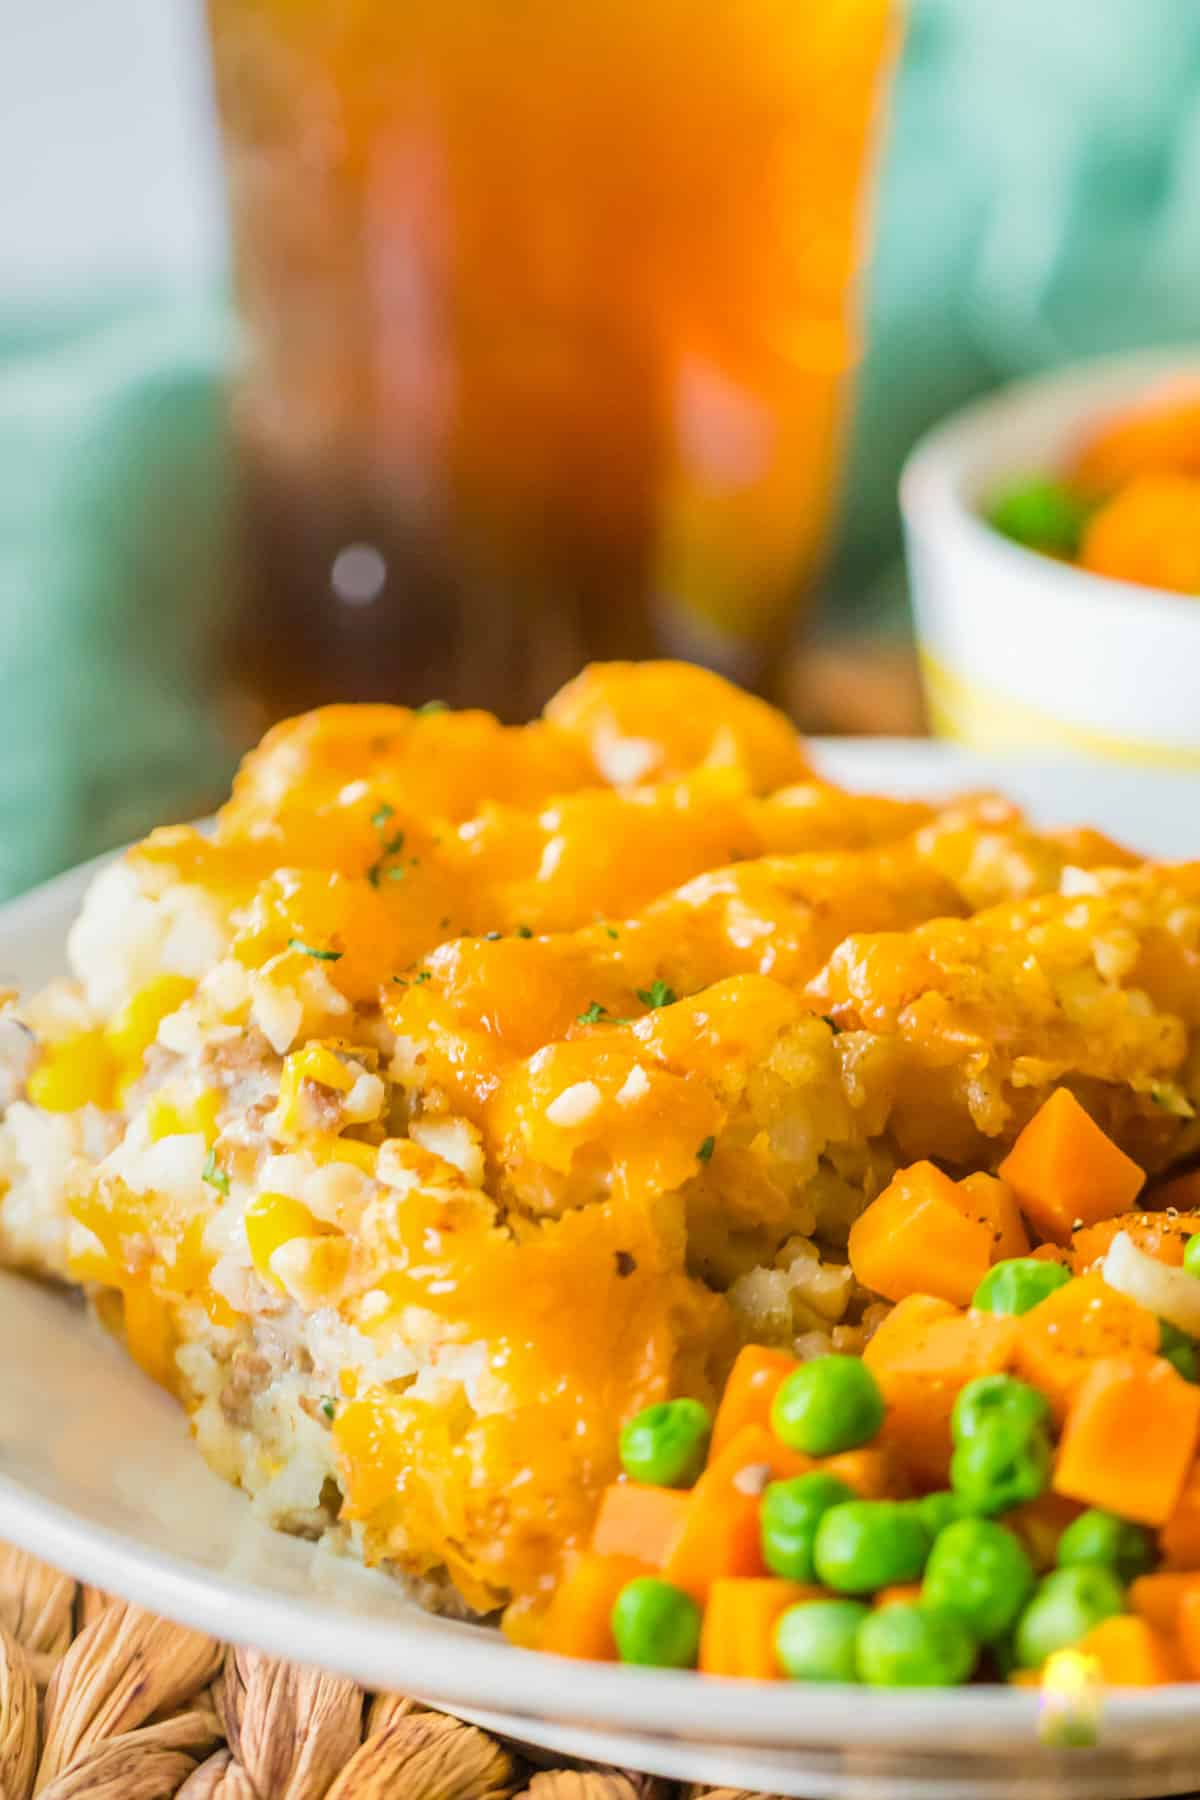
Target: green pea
665 1445
936 1511
1101 1539
914 1646
656 1624
864 1545
1065 1606
1004 1464
979 1572
1177 1348
1191 1255
1042 514
790 1513
818 1640
830 1404
989 1397
1018 1285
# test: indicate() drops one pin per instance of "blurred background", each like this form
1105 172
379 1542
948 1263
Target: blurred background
476 340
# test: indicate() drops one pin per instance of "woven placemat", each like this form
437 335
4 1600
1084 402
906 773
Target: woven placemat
102 1701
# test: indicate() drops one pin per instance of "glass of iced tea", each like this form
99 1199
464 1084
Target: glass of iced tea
549 314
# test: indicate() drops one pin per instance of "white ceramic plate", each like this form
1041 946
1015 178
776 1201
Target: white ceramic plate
98 1475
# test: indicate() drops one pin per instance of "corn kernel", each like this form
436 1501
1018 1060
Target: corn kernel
312 1270
170 1118
218 1309
315 1062
272 1220
347 1150
77 1071
134 1027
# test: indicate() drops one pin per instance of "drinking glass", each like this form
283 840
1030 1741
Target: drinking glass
549 326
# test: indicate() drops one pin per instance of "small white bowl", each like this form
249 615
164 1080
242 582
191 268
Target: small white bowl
1019 651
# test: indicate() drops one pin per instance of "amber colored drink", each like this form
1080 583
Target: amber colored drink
550 314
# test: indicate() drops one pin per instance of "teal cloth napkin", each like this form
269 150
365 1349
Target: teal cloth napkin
113 534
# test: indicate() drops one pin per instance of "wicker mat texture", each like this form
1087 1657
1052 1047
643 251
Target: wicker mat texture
102 1701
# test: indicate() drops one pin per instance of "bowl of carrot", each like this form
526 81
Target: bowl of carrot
1053 536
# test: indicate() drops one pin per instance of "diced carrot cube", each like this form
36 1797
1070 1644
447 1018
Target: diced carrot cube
1179 1539
1131 1653
1059 1340
1162 1235
1129 1439
1156 1598
579 1619
871 1472
755 1455
720 1537
1065 1172
993 1203
905 1327
755 1379
738 1635
1149 532
1160 431
916 1239
641 1522
920 1365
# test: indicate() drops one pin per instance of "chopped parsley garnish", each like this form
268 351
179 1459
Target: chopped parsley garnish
318 955
430 707
492 937
832 1024
328 1408
657 994
389 847
706 1149
524 931
396 873
422 975
626 1263
594 1014
214 1174
612 931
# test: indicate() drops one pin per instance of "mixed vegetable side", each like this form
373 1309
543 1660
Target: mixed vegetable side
1128 504
1010 1471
